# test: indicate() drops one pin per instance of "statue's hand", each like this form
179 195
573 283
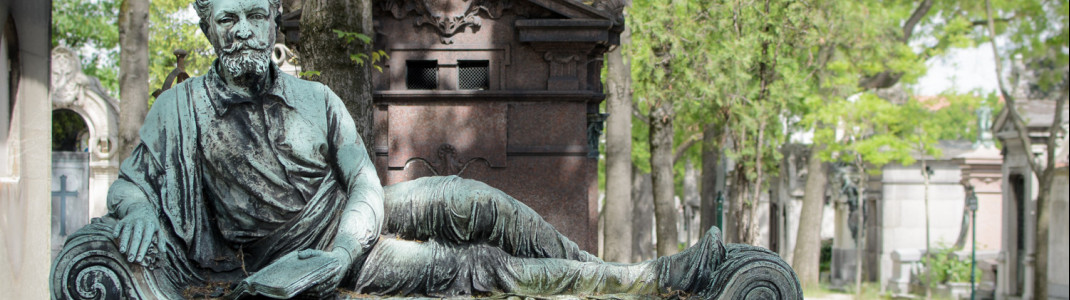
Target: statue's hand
136 232
340 256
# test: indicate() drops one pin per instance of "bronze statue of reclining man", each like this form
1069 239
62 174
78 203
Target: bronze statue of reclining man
251 182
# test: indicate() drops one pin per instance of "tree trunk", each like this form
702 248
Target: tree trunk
321 50
133 72
1044 185
860 222
756 194
1040 269
712 177
690 203
739 194
928 250
807 256
618 212
661 155
642 216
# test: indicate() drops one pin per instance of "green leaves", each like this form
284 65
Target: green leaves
361 58
308 74
349 37
879 132
173 25
90 29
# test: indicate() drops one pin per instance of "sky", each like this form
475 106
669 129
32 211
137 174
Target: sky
962 70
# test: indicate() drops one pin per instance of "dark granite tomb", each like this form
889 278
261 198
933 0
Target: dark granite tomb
504 92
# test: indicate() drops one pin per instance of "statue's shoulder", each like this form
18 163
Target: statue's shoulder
170 97
305 89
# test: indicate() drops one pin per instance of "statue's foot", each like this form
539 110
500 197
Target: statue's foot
713 270
692 271
751 272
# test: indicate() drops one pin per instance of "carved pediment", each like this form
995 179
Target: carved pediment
449 17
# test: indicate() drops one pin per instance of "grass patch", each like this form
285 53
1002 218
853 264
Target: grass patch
870 290
816 292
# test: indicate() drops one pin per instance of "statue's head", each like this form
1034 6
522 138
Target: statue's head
242 33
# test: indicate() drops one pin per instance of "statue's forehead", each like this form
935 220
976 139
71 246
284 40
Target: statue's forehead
239 5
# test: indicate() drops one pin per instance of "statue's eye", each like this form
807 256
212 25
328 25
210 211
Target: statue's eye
225 20
258 16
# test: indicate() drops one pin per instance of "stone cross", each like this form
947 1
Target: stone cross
63 193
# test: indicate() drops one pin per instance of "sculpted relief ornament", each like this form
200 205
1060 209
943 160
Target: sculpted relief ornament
445 15
448 163
71 89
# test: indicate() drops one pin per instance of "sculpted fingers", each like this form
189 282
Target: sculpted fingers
118 229
135 241
161 242
124 236
328 286
146 240
304 254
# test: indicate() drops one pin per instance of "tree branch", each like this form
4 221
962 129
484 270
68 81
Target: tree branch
1054 131
824 55
1011 104
1053 136
985 22
680 150
887 78
637 113
915 18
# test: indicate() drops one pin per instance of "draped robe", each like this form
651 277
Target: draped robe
242 181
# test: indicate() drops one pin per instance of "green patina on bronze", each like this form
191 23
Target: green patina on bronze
250 182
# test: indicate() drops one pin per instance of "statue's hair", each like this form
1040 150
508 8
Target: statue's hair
204 10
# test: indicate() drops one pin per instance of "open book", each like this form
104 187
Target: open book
287 277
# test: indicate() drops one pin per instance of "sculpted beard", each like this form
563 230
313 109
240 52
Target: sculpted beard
247 60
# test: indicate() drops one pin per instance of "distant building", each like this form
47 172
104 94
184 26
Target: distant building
1017 259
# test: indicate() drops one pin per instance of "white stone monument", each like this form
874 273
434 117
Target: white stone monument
73 90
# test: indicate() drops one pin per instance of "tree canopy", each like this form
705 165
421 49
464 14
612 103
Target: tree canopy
90 28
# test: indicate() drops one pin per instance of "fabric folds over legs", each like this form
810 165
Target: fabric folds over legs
442 269
462 211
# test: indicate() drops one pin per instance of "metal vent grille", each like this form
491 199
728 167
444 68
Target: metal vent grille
472 74
422 74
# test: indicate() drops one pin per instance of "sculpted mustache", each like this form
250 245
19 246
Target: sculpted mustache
235 47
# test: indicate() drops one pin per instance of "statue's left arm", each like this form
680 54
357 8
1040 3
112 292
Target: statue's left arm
362 217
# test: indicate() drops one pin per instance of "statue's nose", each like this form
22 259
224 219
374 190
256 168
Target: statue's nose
243 31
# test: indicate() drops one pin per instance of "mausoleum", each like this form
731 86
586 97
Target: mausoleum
504 92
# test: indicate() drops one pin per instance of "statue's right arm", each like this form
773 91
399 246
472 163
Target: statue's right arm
138 218
362 217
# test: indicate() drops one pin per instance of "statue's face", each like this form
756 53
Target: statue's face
242 32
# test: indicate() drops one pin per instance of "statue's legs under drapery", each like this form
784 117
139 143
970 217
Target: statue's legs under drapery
447 236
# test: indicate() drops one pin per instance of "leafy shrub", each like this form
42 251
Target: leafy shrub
946 266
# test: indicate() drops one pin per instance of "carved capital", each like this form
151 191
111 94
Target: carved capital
566 65
562 64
